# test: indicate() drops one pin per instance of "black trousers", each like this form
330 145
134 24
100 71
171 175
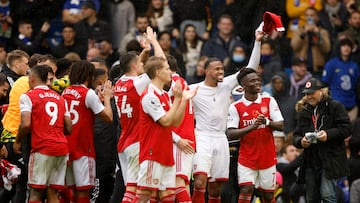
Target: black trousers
119 188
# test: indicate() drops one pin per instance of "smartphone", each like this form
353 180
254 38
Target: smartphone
310 21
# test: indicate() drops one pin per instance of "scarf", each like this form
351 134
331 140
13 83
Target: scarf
295 85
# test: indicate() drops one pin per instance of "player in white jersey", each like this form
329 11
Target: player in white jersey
211 108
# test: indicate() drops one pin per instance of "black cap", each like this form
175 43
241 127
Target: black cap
298 60
312 85
89 4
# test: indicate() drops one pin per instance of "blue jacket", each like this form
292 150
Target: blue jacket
342 77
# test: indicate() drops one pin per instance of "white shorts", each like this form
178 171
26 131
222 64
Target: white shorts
155 176
81 173
129 162
183 163
212 157
264 179
47 171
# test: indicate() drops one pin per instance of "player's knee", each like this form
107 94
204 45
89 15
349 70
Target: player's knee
143 196
166 193
200 181
214 191
36 194
247 189
267 196
180 181
131 188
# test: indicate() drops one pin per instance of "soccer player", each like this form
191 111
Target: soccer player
43 112
84 104
184 141
211 162
127 92
253 119
157 117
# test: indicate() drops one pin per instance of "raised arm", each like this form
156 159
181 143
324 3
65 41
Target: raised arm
151 36
254 60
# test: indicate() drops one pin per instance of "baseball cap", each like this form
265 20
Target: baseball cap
312 85
89 4
298 60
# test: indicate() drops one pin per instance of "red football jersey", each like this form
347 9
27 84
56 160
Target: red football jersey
257 148
155 140
186 128
47 122
81 139
127 91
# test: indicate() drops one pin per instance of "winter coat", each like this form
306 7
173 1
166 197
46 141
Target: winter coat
333 119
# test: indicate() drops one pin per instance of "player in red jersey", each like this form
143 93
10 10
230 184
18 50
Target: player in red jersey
43 112
157 116
184 141
127 92
83 105
253 119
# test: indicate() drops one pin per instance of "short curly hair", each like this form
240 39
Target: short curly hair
243 73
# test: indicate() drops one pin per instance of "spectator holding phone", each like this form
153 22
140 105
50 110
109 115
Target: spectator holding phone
312 42
324 158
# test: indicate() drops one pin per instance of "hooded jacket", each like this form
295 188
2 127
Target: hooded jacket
285 101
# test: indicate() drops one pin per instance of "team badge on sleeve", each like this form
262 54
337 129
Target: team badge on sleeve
154 104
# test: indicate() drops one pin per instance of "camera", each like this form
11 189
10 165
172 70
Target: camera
311 137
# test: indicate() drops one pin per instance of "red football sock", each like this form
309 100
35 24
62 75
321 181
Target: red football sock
34 201
83 200
213 199
128 197
153 200
198 195
65 195
244 198
139 197
136 199
168 199
182 195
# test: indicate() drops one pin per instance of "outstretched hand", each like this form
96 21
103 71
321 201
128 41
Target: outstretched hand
259 35
106 91
188 94
150 35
